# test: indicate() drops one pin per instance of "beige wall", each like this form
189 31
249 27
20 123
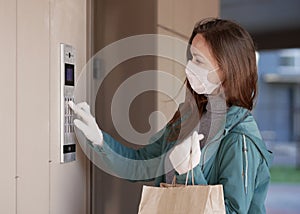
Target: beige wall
32 178
180 16
8 107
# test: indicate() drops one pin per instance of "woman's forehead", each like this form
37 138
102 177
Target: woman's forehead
200 46
199 43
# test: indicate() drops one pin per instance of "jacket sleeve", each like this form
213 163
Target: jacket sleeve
238 170
134 165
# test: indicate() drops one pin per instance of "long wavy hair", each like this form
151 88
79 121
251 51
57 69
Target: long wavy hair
234 51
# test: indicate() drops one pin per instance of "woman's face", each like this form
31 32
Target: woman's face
203 58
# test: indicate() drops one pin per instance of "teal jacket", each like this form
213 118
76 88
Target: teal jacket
241 163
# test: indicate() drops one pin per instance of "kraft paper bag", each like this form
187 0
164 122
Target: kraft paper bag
179 199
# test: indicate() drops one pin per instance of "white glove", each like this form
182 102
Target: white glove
186 155
86 122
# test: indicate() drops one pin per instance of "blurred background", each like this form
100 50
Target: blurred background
275 27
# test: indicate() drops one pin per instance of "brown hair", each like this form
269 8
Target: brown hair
234 51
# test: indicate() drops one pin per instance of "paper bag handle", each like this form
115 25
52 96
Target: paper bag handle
191 165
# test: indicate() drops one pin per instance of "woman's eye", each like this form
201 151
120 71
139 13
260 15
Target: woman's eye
197 61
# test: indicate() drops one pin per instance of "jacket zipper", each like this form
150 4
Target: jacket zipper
245 150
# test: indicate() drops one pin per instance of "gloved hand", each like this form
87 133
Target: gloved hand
186 155
86 122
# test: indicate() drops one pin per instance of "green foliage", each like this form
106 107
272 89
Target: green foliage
285 175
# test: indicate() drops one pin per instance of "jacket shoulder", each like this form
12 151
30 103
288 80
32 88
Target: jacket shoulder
235 139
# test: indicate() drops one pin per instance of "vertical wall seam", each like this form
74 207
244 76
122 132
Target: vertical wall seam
16 114
49 113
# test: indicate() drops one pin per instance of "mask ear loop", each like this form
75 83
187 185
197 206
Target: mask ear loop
213 70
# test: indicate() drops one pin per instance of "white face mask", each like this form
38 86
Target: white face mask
199 78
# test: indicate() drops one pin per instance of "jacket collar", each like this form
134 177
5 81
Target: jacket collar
234 116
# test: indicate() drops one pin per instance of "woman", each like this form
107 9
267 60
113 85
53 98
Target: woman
222 87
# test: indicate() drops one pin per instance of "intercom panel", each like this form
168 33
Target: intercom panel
67 136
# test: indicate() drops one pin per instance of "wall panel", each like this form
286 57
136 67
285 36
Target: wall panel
8 106
32 178
32 106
